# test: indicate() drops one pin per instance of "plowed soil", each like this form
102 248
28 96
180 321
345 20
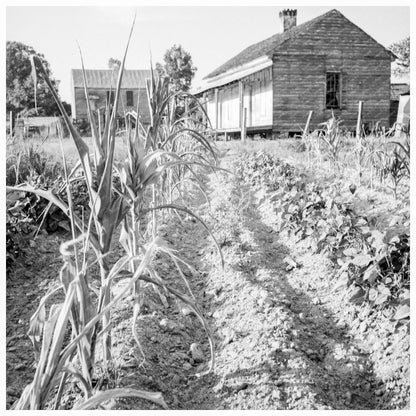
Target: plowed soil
283 338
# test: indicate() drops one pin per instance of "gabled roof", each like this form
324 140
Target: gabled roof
273 44
106 78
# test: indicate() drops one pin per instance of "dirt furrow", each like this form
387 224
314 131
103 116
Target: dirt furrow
278 346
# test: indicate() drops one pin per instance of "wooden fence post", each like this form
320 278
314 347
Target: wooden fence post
360 113
308 121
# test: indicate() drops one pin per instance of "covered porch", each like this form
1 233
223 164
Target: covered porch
240 106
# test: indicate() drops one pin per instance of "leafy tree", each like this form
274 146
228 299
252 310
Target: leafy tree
20 92
114 64
178 67
160 69
402 50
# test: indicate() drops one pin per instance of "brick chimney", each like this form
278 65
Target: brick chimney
288 18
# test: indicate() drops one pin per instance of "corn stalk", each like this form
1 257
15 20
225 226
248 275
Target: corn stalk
160 157
330 134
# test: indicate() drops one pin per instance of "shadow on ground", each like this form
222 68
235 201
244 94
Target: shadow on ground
321 357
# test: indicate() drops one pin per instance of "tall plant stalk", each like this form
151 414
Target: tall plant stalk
161 157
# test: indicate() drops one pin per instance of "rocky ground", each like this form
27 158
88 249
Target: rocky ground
284 339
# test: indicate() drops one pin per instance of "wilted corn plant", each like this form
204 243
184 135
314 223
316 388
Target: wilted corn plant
363 153
394 164
147 161
313 147
404 153
330 134
154 155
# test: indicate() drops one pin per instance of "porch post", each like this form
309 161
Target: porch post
216 113
244 125
241 102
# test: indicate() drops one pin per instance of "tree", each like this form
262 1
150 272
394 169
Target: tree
402 50
20 92
114 64
178 67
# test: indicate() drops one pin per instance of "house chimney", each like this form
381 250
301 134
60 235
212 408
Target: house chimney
288 18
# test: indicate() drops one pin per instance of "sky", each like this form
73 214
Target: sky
211 34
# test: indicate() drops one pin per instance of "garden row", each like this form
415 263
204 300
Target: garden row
375 263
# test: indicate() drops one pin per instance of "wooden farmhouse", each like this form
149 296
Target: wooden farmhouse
326 64
101 87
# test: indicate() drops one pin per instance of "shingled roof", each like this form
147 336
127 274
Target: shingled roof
106 78
270 45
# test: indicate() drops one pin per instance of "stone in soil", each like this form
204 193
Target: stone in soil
196 353
242 386
187 366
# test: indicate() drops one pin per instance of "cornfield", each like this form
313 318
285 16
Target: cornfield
131 199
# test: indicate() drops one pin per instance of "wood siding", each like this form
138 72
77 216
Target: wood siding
299 76
81 104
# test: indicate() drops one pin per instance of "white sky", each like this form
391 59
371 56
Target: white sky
212 34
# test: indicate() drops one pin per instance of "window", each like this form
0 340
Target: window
333 90
129 98
110 97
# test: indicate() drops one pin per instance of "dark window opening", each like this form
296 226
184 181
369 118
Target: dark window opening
333 90
129 98
110 97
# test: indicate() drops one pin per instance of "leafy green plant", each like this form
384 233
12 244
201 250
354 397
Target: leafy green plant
380 272
376 264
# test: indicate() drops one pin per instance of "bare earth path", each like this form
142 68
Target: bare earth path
280 334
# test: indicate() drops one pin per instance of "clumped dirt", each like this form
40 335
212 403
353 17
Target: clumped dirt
284 339
36 269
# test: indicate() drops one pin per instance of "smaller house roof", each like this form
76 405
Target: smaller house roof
396 90
106 78
397 78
